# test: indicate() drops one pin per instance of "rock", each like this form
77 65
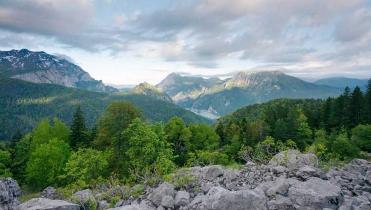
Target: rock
165 189
50 193
219 198
306 172
182 198
280 186
144 205
280 203
212 172
293 160
9 193
47 204
368 177
197 202
167 201
278 170
102 205
85 198
361 203
315 193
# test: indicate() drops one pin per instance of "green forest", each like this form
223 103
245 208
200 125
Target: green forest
23 105
125 147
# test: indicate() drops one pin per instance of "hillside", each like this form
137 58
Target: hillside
41 67
151 91
222 97
23 104
342 82
184 89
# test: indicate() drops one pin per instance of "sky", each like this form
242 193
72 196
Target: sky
132 41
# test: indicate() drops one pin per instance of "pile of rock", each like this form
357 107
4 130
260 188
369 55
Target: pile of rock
9 192
291 180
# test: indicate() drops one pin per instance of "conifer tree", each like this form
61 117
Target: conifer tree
78 135
356 107
368 103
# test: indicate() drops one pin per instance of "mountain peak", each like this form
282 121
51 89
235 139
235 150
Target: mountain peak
147 89
41 67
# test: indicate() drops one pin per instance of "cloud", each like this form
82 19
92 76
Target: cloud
265 31
47 17
203 33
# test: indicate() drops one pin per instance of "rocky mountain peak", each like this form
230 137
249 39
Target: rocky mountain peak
41 67
152 91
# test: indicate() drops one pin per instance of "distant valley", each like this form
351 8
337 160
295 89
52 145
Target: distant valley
208 97
214 97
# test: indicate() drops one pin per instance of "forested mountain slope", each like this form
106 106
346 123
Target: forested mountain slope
23 104
220 97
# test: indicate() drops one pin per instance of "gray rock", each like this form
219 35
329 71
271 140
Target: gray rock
293 159
219 198
102 205
85 198
144 205
368 177
197 202
9 193
306 172
182 198
165 189
280 203
315 193
167 201
280 186
360 203
212 172
47 204
50 193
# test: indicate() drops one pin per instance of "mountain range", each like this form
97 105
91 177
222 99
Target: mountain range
210 97
23 104
342 82
213 97
41 67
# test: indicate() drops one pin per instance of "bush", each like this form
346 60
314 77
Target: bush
46 164
86 166
361 136
203 158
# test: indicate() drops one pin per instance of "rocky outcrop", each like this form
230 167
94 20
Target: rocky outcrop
290 181
85 198
50 193
9 193
296 183
47 204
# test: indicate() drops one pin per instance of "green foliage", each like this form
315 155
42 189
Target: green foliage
178 135
203 137
146 154
5 161
319 147
24 104
86 166
265 150
44 132
361 136
203 158
46 163
20 158
181 179
79 135
342 148
117 117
